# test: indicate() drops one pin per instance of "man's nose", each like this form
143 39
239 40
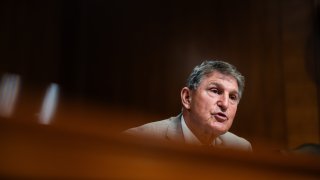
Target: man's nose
223 102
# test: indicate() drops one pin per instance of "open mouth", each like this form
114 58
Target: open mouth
220 117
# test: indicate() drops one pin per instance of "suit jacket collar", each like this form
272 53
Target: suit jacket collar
175 134
174 131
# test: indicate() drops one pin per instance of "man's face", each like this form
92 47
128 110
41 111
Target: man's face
213 104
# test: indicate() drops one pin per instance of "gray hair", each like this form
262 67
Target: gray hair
208 67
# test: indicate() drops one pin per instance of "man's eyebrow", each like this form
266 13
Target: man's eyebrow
220 85
235 92
215 83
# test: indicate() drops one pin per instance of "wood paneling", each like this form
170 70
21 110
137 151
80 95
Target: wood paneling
300 90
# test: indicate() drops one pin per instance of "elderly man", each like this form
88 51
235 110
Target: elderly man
210 100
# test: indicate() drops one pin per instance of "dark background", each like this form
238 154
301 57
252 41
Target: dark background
138 54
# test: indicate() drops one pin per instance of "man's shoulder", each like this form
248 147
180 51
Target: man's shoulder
233 141
155 128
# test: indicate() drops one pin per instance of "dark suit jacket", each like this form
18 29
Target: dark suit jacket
171 130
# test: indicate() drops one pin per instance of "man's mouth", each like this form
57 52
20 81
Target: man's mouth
220 117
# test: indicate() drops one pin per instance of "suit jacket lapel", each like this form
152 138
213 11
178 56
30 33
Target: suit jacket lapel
174 131
218 141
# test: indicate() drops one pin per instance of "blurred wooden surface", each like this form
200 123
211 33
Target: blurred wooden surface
31 150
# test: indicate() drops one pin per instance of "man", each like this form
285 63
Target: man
209 105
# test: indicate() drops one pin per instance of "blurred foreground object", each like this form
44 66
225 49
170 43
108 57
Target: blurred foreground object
30 150
49 104
308 149
9 90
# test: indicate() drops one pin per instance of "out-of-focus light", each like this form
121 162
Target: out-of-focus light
9 89
49 104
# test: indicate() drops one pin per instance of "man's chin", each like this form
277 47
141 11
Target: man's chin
219 130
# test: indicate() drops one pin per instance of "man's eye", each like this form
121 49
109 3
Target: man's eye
233 97
216 91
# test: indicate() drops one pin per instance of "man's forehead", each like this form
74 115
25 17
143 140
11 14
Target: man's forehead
220 79
221 76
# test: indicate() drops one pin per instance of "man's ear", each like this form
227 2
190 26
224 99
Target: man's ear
186 97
